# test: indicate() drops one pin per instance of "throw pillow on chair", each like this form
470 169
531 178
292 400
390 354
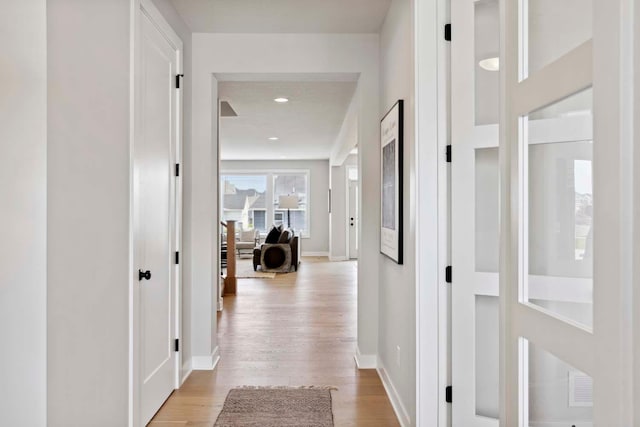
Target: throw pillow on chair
274 235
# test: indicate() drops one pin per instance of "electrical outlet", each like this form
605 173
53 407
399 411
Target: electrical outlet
398 355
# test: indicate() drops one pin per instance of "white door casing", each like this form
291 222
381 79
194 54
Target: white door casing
156 203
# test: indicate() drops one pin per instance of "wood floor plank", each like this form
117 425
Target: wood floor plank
297 329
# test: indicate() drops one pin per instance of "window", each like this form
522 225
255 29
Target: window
244 200
290 184
583 185
245 196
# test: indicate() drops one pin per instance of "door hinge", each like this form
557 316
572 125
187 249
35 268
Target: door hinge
177 169
177 257
447 274
448 397
447 32
176 344
448 153
178 77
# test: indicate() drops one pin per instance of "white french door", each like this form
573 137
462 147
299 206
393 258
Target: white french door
475 92
562 304
156 214
548 203
538 316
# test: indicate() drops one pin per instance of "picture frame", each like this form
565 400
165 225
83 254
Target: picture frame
391 182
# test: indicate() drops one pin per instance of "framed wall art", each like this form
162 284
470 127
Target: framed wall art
391 134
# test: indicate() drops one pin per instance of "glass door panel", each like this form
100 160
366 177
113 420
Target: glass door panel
487 63
487 210
558 393
487 356
560 208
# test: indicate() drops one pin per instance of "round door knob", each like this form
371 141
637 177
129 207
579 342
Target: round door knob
144 275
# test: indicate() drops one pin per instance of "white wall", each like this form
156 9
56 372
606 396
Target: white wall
397 316
175 21
318 197
286 53
347 138
23 293
88 232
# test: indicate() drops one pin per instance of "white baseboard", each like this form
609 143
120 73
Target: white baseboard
394 397
206 363
338 258
365 361
187 369
315 254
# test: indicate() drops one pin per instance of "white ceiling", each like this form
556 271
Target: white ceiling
306 126
283 16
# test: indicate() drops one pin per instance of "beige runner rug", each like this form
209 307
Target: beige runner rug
250 274
244 270
277 407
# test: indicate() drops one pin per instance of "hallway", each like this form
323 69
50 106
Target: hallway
296 329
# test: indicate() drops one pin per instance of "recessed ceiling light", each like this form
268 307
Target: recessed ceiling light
281 100
273 138
490 64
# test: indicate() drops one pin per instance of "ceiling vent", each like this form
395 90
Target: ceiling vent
226 110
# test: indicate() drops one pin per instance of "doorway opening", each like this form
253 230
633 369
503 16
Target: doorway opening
284 163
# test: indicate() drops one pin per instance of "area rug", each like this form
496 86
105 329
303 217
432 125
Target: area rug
277 407
244 270
250 274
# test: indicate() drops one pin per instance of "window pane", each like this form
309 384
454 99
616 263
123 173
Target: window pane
487 356
260 219
487 52
560 221
487 210
244 200
559 394
554 29
291 185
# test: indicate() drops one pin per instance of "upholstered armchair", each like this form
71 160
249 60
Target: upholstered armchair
247 241
278 257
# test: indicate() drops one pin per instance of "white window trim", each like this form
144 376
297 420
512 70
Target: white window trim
269 173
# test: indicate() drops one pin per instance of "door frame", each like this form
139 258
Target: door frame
138 8
433 295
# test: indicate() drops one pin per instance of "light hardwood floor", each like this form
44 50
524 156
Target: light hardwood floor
296 329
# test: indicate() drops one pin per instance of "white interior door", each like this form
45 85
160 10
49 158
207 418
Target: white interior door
353 219
548 204
155 238
475 212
